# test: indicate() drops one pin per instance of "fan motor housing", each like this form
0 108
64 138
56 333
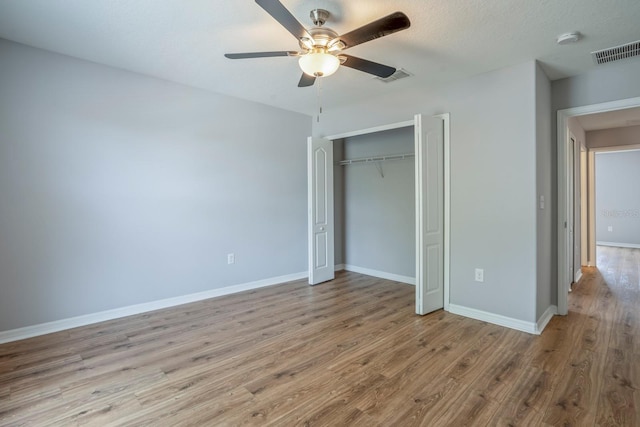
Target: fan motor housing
321 37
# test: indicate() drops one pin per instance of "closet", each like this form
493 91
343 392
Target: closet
374 204
373 210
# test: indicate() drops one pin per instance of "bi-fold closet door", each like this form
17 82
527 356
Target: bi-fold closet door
320 210
426 230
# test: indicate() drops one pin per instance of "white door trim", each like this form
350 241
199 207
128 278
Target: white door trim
563 166
591 208
584 207
570 224
446 118
616 149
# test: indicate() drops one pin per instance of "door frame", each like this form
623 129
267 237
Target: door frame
584 206
446 122
563 166
570 224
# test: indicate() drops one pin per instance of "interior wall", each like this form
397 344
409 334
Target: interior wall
608 82
378 214
618 198
616 137
493 179
545 262
118 189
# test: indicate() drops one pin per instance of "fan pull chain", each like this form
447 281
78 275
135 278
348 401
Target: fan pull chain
318 98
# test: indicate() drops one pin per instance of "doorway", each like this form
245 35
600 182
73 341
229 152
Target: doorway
432 213
566 174
617 199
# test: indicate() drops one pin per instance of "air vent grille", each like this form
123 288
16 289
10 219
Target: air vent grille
616 53
399 74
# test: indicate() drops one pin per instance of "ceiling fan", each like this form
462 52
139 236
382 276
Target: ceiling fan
322 48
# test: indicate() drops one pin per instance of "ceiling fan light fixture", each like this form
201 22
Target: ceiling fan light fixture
319 64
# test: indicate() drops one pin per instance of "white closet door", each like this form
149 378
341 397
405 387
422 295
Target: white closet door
321 227
429 214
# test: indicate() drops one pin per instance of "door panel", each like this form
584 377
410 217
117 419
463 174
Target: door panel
434 269
321 228
429 214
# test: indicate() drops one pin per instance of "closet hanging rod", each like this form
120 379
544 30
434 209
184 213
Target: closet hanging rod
376 159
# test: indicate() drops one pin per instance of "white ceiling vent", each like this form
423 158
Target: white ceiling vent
399 74
616 53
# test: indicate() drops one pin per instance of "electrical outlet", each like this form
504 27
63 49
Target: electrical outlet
231 258
610 228
479 275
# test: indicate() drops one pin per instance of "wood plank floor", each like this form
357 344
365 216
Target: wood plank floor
349 352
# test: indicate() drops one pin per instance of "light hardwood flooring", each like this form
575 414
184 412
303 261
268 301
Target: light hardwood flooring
345 353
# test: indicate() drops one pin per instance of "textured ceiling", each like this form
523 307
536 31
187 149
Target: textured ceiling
184 41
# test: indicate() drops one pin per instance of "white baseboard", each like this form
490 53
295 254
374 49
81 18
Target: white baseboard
619 245
338 267
551 311
577 276
381 274
496 319
88 319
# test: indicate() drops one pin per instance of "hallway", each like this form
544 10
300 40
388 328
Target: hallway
605 362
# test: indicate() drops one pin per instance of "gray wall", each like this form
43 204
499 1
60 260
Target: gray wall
545 260
118 189
618 197
378 212
609 82
493 179
616 137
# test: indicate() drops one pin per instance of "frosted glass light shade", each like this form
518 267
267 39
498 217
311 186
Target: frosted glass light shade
319 64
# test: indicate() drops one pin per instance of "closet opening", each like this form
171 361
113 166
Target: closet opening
374 204
379 205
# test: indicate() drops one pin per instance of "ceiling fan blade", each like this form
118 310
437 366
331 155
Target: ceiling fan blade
260 54
306 80
390 24
285 18
370 67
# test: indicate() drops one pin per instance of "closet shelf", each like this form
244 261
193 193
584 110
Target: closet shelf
376 159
